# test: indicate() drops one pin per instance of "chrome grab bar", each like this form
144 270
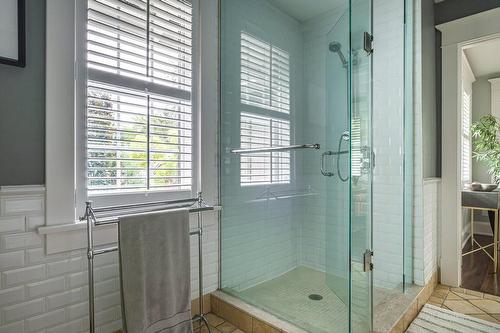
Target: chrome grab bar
275 149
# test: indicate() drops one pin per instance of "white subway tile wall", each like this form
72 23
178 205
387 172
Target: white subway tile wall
418 269
431 214
388 143
48 293
427 195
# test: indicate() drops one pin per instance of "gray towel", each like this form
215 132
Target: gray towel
155 272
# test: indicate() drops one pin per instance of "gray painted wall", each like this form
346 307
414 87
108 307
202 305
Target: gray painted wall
22 107
429 115
481 106
450 10
447 11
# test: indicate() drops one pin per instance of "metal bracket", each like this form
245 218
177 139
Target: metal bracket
324 172
368 43
367 261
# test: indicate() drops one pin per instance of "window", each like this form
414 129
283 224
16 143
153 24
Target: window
356 147
139 115
265 121
264 168
466 138
265 75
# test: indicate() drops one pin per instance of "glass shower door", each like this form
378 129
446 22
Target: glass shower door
347 162
361 165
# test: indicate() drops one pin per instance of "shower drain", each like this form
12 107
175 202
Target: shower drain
315 297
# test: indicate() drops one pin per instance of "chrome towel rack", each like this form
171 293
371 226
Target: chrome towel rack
130 210
275 149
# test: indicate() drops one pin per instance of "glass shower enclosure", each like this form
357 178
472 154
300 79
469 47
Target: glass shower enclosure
298 172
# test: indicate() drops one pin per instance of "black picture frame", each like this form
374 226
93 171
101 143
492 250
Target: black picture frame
21 38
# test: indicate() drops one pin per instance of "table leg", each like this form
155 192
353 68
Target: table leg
472 228
495 242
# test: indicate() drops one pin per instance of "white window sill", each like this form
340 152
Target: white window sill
73 236
58 228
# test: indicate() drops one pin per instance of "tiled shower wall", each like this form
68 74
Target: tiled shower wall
259 237
311 212
48 293
388 142
427 195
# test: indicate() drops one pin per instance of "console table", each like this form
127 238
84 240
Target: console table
485 201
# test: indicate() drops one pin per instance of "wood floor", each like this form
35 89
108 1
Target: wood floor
477 269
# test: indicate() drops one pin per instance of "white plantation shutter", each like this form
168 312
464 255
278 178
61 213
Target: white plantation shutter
265 75
139 120
265 88
356 152
270 167
466 138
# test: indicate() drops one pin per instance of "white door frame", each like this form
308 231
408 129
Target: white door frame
456 35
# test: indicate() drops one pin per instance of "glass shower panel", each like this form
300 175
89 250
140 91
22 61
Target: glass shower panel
296 224
260 93
336 155
361 165
408 144
389 137
282 217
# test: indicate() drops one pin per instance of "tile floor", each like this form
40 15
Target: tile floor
469 302
217 325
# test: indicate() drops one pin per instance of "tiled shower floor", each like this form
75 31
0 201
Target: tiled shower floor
287 296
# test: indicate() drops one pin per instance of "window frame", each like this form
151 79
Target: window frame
465 87
261 111
65 141
140 196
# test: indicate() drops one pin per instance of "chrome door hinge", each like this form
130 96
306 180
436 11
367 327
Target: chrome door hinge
367 261
368 43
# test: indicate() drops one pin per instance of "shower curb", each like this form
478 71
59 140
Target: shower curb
413 309
248 318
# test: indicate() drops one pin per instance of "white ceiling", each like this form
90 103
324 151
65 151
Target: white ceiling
484 58
304 10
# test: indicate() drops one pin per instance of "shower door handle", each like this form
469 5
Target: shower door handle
324 172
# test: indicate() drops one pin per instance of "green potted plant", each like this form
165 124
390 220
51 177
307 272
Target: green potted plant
486 146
